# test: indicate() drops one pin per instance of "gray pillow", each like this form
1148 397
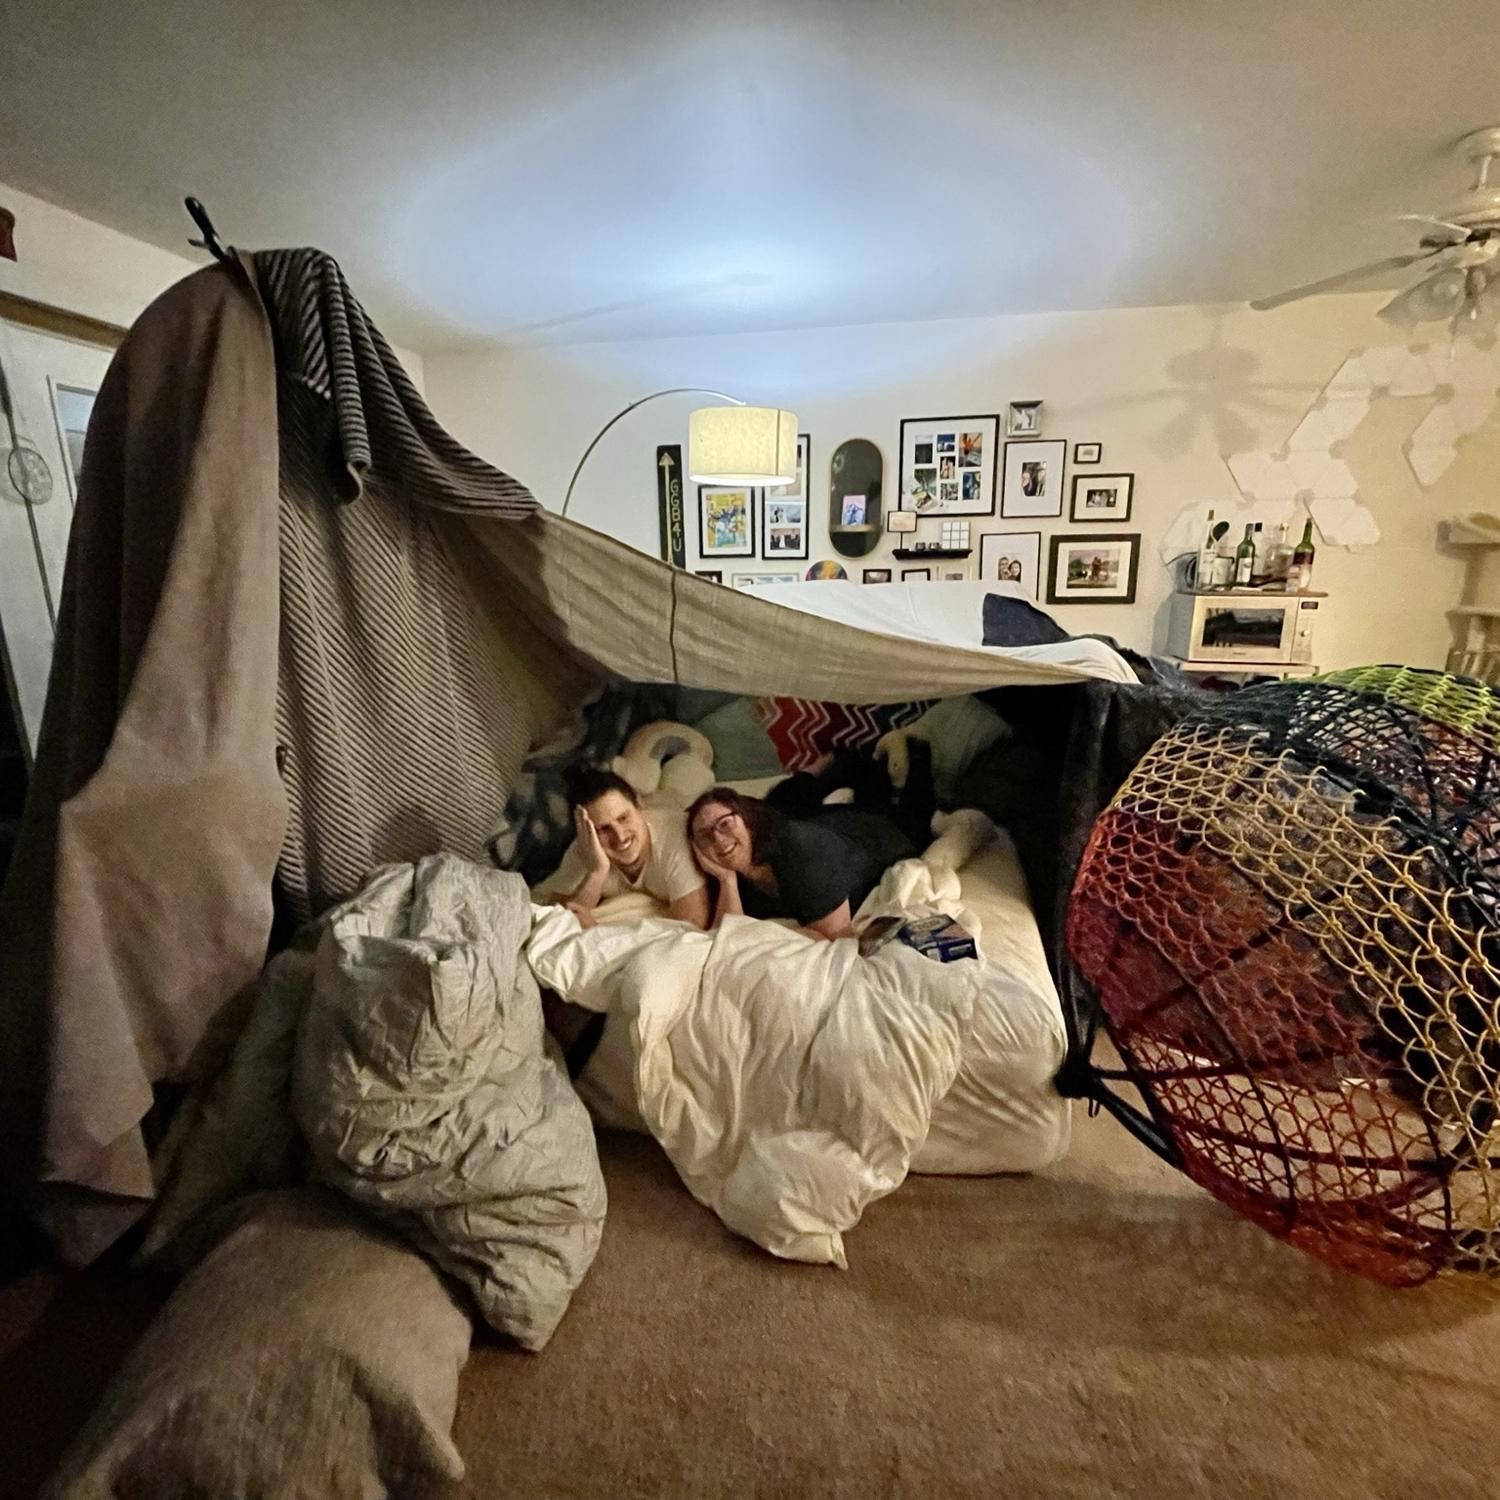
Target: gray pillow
310 1355
743 751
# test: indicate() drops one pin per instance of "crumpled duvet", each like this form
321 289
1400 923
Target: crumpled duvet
402 1037
789 1080
427 1090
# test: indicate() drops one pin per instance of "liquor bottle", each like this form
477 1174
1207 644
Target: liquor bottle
1244 560
1258 540
1279 563
1204 577
1300 578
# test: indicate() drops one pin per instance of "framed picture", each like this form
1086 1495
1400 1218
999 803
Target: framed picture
877 575
827 569
955 536
1012 557
712 574
726 520
916 575
1033 479
51 380
745 581
1088 453
1101 497
1023 419
948 465
783 526
797 490
852 510
1093 569
952 574
900 520
72 406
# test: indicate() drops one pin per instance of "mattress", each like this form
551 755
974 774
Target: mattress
1002 1113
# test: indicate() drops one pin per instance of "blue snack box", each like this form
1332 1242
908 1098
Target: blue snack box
938 937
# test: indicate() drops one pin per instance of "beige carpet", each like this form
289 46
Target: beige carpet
1106 1330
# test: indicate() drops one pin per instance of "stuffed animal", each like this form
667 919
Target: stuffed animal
669 761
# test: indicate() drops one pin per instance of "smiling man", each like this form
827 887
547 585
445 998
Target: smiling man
621 845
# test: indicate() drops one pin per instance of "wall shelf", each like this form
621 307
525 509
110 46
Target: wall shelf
907 553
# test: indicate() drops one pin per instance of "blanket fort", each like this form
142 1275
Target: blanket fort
304 633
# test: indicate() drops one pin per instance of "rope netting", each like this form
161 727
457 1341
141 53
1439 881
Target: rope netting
1289 914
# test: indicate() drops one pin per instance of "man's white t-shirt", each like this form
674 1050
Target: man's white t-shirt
668 874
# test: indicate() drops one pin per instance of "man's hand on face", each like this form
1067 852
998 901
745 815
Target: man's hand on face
588 842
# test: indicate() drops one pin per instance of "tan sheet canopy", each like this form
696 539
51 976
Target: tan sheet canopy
303 633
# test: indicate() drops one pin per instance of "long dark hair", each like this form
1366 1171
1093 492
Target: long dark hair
763 820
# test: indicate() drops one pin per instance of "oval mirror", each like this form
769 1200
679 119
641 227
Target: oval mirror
856 482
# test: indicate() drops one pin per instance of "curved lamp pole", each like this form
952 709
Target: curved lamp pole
676 390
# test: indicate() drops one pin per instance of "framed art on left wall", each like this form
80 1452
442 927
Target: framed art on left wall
52 380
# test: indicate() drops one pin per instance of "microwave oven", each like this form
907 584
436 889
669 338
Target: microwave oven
1248 627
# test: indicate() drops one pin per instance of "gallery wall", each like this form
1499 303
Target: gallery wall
1166 392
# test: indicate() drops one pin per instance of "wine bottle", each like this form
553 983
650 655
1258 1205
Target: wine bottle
1300 577
1258 540
1206 553
1244 560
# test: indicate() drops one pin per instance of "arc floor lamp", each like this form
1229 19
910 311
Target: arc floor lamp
734 444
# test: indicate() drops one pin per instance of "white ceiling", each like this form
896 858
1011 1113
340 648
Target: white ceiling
556 170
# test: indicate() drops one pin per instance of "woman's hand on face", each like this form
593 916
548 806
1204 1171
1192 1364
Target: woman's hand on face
711 867
588 842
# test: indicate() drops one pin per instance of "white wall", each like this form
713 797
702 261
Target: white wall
1167 391
74 263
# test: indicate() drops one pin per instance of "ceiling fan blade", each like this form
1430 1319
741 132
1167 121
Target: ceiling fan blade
1456 233
1344 278
1433 299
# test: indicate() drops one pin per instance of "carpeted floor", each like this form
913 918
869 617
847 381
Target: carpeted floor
1105 1330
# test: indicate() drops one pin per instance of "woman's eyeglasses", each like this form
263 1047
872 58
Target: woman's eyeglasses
708 833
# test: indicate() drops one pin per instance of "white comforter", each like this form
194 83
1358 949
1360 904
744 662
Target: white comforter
793 1082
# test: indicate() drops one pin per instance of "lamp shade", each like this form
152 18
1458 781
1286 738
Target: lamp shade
742 445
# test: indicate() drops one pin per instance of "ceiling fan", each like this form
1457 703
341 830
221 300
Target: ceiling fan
1459 255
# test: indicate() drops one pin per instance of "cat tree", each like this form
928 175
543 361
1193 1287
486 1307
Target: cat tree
1476 619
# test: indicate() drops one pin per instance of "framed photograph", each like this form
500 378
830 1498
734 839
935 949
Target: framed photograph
797 490
1033 479
900 520
1088 453
712 574
1023 419
916 575
948 465
783 526
852 510
746 581
1093 569
1012 557
877 575
726 520
953 574
1101 497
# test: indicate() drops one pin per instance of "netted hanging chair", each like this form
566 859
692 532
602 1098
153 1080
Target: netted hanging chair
1291 917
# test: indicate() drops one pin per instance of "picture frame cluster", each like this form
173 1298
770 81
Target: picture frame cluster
953 469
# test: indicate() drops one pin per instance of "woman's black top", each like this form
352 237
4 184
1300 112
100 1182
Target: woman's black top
820 862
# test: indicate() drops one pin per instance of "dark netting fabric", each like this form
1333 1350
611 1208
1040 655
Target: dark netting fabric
1289 914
